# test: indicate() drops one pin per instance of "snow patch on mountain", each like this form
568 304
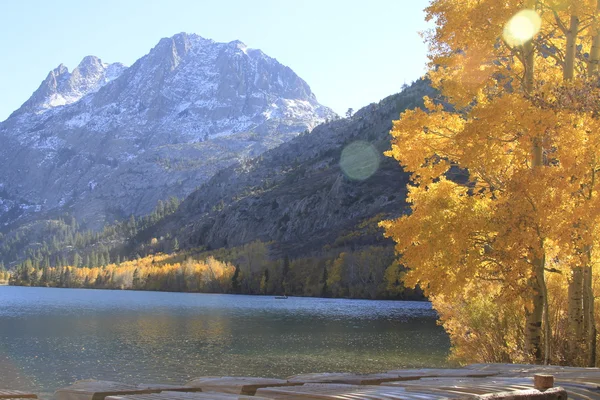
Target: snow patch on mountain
156 129
62 87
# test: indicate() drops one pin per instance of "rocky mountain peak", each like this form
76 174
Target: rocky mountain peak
90 62
106 141
58 71
62 87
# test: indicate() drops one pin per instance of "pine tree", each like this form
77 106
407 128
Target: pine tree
284 273
264 282
324 287
34 277
67 277
76 260
235 284
136 279
45 279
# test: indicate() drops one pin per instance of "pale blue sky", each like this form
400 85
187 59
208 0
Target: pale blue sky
350 52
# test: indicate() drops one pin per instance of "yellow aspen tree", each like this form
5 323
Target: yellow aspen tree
589 298
504 67
579 71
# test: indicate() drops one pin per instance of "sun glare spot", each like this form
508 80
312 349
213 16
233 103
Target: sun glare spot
359 160
522 27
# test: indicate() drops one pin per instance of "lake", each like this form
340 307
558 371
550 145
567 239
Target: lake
51 337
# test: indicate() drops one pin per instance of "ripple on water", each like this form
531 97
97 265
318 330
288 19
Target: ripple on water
52 337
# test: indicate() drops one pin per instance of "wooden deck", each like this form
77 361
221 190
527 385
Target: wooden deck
350 379
476 381
99 390
186 396
158 387
326 391
237 385
16 394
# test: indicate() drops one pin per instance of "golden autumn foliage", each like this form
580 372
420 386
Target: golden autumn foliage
4 275
522 80
360 273
481 329
156 272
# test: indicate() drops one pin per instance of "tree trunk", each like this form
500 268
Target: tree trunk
569 69
533 316
575 316
533 329
589 321
588 289
595 50
578 306
547 331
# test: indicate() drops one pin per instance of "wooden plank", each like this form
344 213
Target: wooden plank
316 391
465 386
185 396
448 381
236 385
167 387
580 393
16 394
532 394
347 378
588 383
390 376
482 386
98 390
409 374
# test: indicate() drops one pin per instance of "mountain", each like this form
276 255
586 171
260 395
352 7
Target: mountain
300 219
62 87
297 196
107 141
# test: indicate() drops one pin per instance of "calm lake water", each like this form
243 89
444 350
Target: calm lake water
52 337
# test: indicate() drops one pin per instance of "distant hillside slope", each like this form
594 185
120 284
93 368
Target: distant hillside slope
296 195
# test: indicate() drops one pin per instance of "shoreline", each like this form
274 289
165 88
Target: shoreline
218 293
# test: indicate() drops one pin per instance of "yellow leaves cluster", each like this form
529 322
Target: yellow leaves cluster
526 132
483 325
433 240
488 327
154 272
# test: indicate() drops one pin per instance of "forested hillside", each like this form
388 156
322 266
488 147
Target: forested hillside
366 273
316 226
297 195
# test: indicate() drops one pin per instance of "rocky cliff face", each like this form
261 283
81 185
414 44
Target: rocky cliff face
105 141
297 196
62 87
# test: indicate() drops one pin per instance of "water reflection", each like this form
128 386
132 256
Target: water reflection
52 337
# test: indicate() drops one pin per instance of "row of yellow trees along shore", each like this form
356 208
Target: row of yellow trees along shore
507 259
156 272
369 272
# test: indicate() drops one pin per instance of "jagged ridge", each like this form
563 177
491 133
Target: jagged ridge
106 141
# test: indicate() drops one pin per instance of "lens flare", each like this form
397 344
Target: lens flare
522 27
359 160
